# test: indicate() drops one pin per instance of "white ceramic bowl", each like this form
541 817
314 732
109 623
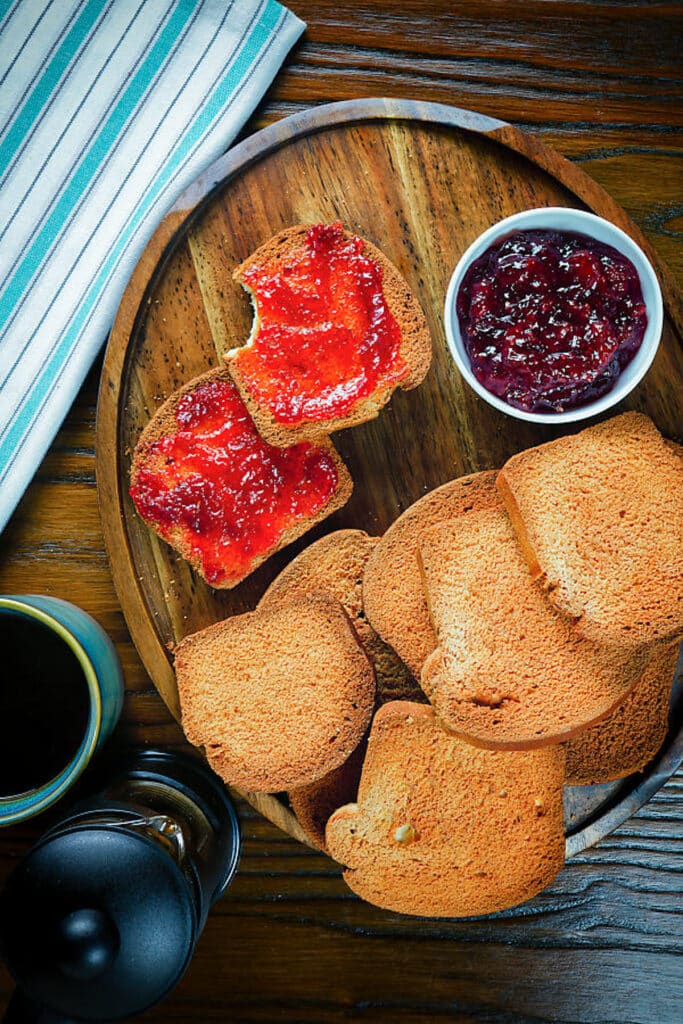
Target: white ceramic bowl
560 218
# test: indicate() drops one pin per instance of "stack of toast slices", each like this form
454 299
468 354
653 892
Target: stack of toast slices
487 675
422 698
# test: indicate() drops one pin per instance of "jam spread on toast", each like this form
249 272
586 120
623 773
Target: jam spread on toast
232 494
326 337
550 319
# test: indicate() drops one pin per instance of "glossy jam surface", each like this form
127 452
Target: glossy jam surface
550 319
233 494
326 337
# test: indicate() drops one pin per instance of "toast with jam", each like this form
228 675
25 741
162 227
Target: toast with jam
205 481
336 330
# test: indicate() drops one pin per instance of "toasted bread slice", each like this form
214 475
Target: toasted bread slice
509 671
393 593
314 803
277 698
627 740
600 518
444 829
335 564
296 382
302 485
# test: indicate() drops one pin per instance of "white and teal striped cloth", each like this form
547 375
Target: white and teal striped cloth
108 110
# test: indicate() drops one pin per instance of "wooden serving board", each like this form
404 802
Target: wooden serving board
421 181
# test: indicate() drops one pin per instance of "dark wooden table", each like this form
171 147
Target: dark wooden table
601 83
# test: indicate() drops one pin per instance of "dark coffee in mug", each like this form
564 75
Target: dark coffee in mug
44 704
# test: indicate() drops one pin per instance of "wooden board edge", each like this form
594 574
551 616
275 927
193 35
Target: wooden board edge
271 808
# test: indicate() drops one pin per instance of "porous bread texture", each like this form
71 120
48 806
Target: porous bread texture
510 671
163 424
445 829
335 564
599 516
626 741
276 697
314 803
393 591
415 349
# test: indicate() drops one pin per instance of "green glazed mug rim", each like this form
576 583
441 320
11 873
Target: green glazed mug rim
18 806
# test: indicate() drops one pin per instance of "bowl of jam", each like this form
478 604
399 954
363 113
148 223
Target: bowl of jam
553 315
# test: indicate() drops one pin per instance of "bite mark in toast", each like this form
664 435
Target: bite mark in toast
336 330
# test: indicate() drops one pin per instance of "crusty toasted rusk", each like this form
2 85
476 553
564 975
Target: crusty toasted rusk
510 671
277 698
415 348
445 829
314 803
627 740
600 518
335 564
393 592
163 424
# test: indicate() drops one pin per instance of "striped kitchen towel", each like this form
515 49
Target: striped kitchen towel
108 110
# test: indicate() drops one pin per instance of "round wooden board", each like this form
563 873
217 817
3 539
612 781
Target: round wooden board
421 181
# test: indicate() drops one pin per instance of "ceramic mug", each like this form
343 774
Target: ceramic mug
103 679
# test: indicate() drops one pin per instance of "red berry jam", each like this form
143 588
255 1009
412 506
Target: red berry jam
326 337
549 319
232 494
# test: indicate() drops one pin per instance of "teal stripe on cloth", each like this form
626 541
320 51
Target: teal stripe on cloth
194 138
41 94
5 7
94 157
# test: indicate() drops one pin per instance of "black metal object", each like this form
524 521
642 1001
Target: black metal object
100 921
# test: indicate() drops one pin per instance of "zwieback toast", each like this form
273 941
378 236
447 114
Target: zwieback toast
510 671
336 330
444 829
627 740
189 485
393 592
335 564
276 697
599 516
315 802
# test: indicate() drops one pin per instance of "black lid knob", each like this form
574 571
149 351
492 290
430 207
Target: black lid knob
85 943
97 923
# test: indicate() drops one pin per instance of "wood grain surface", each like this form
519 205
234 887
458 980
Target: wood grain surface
601 83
